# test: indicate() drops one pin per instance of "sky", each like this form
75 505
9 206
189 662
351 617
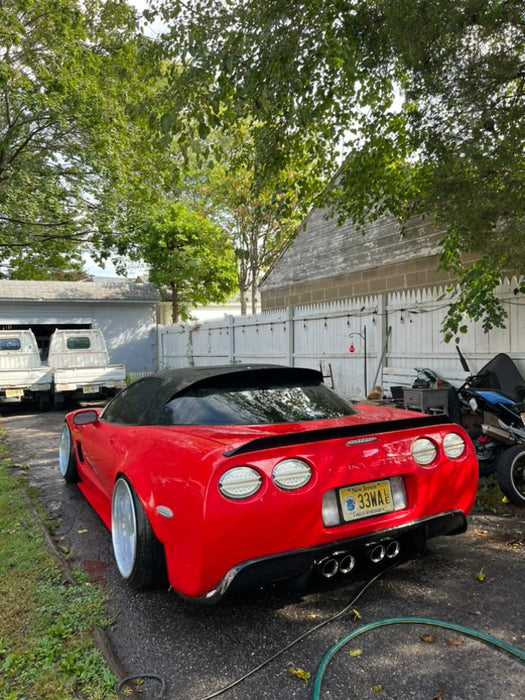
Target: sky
92 268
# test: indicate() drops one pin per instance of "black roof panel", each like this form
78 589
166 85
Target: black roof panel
176 381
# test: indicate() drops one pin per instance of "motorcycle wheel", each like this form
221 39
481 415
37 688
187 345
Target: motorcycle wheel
488 452
511 474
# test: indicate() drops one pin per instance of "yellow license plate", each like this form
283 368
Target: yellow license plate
14 393
90 389
365 500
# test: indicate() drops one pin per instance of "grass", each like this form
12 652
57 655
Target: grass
490 499
46 644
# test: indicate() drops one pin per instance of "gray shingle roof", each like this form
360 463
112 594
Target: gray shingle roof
106 290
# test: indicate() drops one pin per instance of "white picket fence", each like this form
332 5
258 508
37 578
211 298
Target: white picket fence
402 332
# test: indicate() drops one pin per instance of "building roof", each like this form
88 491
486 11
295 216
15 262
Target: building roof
106 290
325 248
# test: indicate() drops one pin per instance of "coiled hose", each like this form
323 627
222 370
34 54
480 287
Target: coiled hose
469 632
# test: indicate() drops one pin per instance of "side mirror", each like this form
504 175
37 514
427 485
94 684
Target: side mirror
85 417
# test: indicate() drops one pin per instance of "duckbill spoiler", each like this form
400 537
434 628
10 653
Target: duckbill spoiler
350 431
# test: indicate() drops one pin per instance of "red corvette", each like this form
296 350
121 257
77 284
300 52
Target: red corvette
221 477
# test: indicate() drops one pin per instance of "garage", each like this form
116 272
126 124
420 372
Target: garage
125 310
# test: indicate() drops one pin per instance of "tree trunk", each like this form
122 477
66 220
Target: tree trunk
174 302
242 295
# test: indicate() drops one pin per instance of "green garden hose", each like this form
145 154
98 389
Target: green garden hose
480 636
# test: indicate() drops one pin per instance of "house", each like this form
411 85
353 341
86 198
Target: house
125 310
328 262
198 314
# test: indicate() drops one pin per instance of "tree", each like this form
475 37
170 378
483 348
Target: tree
425 97
261 212
67 80
187 254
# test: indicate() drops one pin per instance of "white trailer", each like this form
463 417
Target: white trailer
80 363
22 373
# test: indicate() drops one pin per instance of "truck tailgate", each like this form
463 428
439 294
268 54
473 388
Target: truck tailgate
86 378
38 379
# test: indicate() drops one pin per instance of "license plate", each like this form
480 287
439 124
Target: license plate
14 393
365 500
90 389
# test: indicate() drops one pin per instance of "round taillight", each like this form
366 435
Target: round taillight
424 451
453 445
240 482
291 474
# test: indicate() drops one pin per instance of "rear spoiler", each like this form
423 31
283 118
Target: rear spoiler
349 431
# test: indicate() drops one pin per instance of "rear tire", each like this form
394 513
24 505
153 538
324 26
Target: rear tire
44 400
67 463
138 553
511 474
487 451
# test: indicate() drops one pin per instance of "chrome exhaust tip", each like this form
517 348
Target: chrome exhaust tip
328 567
377 553
392 549
346 563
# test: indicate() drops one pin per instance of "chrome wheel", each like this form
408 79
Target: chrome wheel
64 453
124 528
67 463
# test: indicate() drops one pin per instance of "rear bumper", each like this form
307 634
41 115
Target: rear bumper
279 567
15 394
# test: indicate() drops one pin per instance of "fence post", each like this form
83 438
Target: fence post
291 335
382 337
188 332
231 331
160 348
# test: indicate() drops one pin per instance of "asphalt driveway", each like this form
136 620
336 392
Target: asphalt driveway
197 651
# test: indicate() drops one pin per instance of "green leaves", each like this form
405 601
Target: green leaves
65 128
188 256
427 97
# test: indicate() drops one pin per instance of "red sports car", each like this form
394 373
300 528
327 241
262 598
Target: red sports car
221 477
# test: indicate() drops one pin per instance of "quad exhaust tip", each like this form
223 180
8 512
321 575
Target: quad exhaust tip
329 567
389 549
377 553
344 562
392 549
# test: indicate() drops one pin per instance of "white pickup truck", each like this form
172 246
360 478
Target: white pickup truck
22 374
80 364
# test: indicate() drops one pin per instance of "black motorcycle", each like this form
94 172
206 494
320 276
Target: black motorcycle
499 391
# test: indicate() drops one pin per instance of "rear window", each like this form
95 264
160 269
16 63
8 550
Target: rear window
78 343
10 344
255 405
